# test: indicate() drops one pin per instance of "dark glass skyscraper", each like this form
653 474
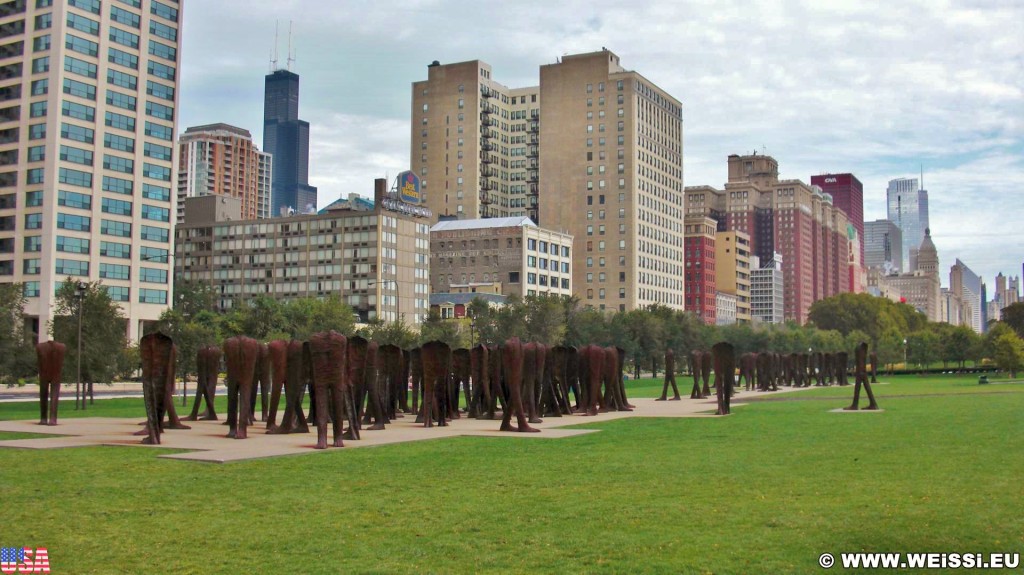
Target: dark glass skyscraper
287 138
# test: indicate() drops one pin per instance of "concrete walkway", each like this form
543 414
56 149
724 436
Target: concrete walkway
207 440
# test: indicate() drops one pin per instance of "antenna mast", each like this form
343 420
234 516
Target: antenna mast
273 55
291 53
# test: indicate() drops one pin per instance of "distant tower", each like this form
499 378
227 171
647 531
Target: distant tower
286 138
908 209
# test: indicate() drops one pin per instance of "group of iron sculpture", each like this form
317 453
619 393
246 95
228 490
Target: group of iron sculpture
356 384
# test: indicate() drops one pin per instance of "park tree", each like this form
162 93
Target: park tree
389 332
1013 316
17 357
447 330
585 325
861 311
190 333
890 348
923 347
303 317
545 317
1008 352
104 332
959 344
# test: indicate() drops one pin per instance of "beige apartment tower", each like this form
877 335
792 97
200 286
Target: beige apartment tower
594 151
88 100
222 160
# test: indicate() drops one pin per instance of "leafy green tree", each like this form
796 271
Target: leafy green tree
1013 316
104 332
190 333
389 332
995 331
545 317
17 357
959 344
890 348
872 315
304 317
1009 352
447 330
585 325
923 347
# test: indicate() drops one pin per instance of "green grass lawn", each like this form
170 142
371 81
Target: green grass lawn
765 490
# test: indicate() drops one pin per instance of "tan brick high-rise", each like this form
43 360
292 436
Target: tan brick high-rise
601 159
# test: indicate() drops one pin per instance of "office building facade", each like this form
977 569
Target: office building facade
376 261
907 207
222 160
512 253
883 246
921 288
767 290
847 195
88 101
286 138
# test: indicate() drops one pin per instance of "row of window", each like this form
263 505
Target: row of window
81 223
116 293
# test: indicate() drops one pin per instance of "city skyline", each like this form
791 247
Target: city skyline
868 89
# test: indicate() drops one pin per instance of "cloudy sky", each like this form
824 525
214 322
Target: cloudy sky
879 89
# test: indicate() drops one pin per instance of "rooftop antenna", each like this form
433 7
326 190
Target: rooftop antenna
291 53
273 53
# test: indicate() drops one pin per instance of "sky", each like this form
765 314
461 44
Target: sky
879 89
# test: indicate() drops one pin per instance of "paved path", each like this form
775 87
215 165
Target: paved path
207 442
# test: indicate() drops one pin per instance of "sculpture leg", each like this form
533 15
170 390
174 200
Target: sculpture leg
232 407
44 405
275 400
209 395
856 398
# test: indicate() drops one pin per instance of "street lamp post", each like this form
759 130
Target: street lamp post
80 289
904 353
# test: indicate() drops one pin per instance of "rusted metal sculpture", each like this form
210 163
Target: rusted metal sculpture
278 350
533 370
512 359
416 371
496 379
614 394
707 362
620 382
359 361
328 352
381 376
207 368
240 355
592 359
50 355
260 383
725 375
478 372
555 399
298 375
572 375
818 369
861 379
459 378
764 371
437 360
158 355
392 384
696 363
748 368
842 361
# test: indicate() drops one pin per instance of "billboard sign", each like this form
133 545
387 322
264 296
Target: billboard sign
409 187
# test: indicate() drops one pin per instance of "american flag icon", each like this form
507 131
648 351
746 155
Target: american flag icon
12 554
19 560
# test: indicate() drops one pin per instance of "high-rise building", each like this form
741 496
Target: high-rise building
699 243
767 290
732 273
376 261
785 216
908 209
848 195
921 287
286 138
883 246
594 151
510 253
222 160
965 286
88 94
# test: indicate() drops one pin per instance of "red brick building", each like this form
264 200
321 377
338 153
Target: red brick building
700 286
